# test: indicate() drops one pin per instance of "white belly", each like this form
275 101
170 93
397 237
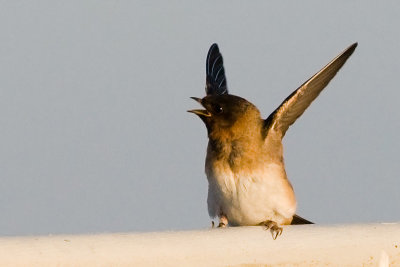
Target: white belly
253 198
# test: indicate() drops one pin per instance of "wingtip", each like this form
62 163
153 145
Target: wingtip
349 50
214 45
353 46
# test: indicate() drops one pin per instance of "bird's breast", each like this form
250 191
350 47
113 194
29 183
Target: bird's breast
249 196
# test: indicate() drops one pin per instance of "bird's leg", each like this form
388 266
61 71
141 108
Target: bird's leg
223 221
212 224
274 228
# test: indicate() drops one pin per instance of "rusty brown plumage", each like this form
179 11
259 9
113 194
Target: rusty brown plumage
244 163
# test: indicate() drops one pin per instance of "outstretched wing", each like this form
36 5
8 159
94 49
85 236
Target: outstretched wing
215 80
298 101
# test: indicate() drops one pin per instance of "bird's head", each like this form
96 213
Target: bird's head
227 114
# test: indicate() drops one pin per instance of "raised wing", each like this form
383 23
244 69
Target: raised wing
215 79
298 101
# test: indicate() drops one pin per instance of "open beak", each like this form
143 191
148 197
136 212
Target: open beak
199 112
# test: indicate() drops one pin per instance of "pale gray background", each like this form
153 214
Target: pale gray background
95 136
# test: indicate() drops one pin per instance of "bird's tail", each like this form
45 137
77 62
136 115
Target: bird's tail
298 220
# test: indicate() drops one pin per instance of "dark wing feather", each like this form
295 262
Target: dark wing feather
215 79
298 101
298 220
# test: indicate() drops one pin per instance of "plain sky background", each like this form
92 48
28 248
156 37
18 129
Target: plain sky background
95 136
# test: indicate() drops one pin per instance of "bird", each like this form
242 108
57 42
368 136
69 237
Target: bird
245 169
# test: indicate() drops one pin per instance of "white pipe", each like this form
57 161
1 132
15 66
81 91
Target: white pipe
301 245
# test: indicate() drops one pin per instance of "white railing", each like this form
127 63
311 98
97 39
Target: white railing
301 245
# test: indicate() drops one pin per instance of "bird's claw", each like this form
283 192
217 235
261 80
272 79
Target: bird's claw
221 225
274 228
223 221
276 231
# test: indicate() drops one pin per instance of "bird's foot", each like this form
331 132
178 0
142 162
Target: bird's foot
221 225
223 221
274 228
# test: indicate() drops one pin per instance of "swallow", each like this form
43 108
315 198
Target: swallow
247 181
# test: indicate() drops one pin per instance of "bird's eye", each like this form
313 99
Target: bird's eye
218 109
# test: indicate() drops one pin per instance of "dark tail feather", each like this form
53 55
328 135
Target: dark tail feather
298 220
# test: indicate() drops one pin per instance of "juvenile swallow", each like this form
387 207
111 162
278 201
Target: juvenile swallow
244 163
